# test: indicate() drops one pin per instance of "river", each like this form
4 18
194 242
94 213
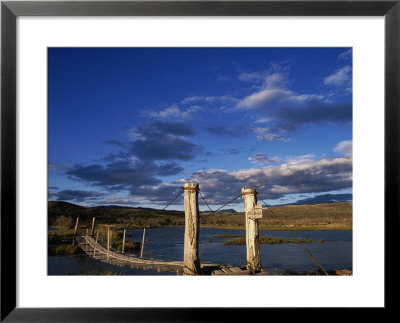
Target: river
335 252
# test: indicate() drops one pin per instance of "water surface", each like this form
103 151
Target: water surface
167 244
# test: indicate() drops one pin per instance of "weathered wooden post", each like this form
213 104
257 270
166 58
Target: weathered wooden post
92 231
141 250
191 262
75 230
252 212
97 238
123 241
111 237
87 231
108 243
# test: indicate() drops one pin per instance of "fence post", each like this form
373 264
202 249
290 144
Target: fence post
141 250
87 230
75 230
97 238
252 242
108 243
191 262
123 241
92 231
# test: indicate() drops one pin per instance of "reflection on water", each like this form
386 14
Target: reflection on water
167 244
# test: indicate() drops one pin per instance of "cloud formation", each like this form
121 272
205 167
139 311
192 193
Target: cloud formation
174 112
298 176
163 141
263 159
76 195
341 77
345 147
284 111
326 198
274 93
347 55
155 152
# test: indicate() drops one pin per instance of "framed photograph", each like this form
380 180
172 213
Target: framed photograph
160 159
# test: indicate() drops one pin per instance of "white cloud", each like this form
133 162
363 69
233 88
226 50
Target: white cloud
274 92
263 120
174 112
341 77
346 55
276 80
223 99
307 158
344 147
252 77
312 176
263 159
266 134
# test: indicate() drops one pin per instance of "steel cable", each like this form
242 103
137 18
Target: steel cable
226 231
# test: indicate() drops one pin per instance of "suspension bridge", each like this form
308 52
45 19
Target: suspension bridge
190 265
111 256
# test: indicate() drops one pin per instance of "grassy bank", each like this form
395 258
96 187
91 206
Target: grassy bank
241 240
60 241
329 216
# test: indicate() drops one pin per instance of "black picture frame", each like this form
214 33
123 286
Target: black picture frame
10 10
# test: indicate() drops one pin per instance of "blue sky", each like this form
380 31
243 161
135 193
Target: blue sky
128 126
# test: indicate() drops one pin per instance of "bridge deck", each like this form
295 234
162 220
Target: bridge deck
89 245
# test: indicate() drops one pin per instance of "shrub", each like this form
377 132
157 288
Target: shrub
63 221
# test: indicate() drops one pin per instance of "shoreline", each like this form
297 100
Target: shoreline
289 227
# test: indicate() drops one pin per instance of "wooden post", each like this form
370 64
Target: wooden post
191 260
92 232
108 243
87 231
75 230
252 242
111 236
141 251
97 238
123 241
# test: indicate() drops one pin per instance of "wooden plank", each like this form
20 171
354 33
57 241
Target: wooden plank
243 273
119 259
226 270
218 272
235 269
255 212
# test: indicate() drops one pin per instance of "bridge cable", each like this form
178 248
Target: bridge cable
226 231
176 196
217 210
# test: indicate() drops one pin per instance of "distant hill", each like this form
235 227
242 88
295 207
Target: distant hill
112 207
228 211
323 199
61 206
113 214
324 216
221 211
